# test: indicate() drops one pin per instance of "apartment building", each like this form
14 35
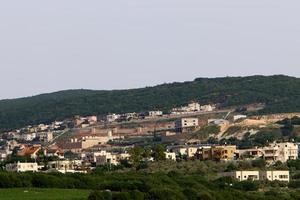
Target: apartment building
223 152
253 153
45 136
280 152
186 124
204 153
86 140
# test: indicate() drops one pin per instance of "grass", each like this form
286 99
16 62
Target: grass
43 194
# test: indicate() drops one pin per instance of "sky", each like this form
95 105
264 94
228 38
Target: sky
53 45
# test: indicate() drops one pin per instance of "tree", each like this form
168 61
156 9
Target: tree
136 155
159 153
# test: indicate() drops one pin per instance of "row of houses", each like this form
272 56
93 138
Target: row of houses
191 108
87 161
131 116
272 153
44 136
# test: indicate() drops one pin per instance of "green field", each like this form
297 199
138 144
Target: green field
43 194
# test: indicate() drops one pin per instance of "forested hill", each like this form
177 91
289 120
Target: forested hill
280 93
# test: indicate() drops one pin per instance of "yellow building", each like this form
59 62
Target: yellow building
223 153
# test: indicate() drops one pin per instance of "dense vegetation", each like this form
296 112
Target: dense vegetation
160 180
186 180
43 194
279 93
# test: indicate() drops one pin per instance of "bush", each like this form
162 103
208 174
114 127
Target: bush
100 195
166 194
247 185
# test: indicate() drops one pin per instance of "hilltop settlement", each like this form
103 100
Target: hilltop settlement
190 132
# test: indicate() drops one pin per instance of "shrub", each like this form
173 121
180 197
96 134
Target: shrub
100 195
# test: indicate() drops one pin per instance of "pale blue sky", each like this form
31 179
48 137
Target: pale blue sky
53 45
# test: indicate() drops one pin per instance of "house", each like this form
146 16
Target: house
170 156
223 152
29 151
242 175
111 158
11 145
280 152
191 107
54 152
207 108
237 117
3 155
156 113
179 150
92 119
253 153
184 125
45 136
86 140
27 137
204 153
112 117
22 167
91 157
189 151
258 175
275 175
65 166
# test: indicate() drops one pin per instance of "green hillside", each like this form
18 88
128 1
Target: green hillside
280 93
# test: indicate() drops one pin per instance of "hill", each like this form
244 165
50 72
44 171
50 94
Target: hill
279 93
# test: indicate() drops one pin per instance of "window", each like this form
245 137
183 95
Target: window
283 176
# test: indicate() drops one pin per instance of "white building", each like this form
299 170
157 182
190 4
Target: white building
170 156
92 156
45 136
186 124
275 175
65 166
92 119
237 117
243 175
112 117
22 167
191 107
156 113
280 152
258 175
3 155
111 158
28 137
207 108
